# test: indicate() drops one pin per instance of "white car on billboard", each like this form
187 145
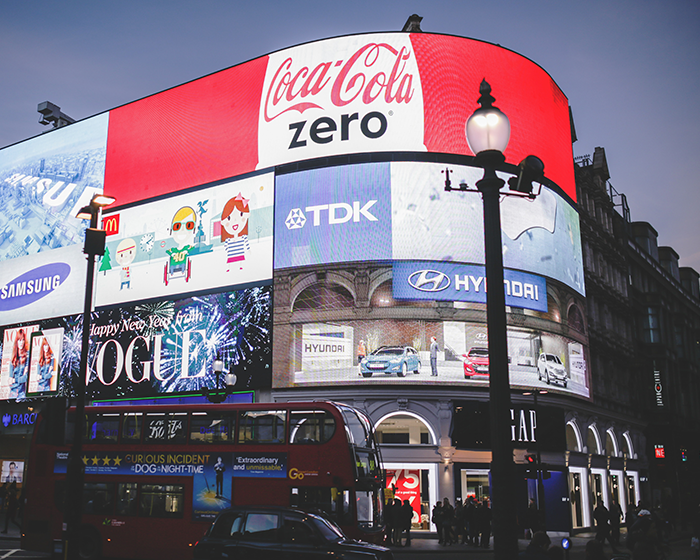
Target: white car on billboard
550 368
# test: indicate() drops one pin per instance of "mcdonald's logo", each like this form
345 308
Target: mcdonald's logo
111 224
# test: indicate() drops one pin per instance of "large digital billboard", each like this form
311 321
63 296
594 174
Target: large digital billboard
400 211
44 182
383 92
146 349
199 241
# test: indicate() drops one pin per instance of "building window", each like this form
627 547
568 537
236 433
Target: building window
403 429
651 326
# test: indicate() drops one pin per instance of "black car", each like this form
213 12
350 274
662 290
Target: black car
255 533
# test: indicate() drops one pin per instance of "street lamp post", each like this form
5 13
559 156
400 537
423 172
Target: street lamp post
94 245
488 132
219 394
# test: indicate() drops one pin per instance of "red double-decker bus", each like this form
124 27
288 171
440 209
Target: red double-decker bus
155 476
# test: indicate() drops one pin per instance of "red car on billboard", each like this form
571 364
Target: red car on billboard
476 362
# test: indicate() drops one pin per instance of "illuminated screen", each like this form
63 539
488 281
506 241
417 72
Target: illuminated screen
387 351
14 367
44 182
44 362
148 349
400 211
47 284
203 240
382 92
11 472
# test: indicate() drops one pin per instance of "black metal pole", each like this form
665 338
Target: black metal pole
502 466
76 469
540 474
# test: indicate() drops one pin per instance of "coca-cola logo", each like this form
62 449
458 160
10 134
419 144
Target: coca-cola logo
361 77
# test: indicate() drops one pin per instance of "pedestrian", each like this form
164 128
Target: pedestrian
407 520
533 517
537 549
433 356
397 516
3 495
12 506
485 524
602 520
437 520
615 519
389 523
555 552
474 523
459 522
448 517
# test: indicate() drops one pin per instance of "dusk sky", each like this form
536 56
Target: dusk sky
630 69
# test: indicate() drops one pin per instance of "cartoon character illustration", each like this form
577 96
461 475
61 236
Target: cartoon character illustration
234 231
46 366
19 365
126 252
182 229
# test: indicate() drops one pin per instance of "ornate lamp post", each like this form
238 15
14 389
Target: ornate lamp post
219 394
94 245
488 132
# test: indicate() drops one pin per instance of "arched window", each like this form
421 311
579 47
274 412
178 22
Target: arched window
404 428
575 318
627 445
610 443
321 297
573 437
383 297
593 441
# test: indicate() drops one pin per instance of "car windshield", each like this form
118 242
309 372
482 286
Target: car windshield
553 358
389 352
479 353
329 530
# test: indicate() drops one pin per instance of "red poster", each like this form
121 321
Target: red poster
407 487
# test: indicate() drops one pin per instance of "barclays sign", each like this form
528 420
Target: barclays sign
447 281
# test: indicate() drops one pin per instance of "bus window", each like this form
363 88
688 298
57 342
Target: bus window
161 500
358 427
367 464
102 428
334 503
97 498
126 498
261 426
211 427
310 426
162 427
131 427
368 507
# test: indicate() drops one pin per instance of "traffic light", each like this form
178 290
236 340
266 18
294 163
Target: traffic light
530 465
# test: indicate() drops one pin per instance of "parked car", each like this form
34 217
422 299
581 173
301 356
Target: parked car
277 533
391 359
550 368
476 362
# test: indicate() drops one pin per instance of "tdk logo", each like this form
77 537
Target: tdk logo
429 281
33 285
331 214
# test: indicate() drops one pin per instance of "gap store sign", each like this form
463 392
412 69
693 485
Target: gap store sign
446 281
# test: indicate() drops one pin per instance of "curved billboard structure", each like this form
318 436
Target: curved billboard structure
313 177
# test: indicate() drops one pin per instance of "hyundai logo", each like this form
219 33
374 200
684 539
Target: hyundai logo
429 280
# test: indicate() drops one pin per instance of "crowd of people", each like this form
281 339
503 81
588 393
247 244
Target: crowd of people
467 523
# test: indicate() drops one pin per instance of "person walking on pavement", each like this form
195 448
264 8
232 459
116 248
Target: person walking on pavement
602 520
437 517
406 520
537 549
12 507
448 516
470 529
615 519
433 356
485 524
397 517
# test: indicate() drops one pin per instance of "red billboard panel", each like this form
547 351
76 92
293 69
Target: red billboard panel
383 92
